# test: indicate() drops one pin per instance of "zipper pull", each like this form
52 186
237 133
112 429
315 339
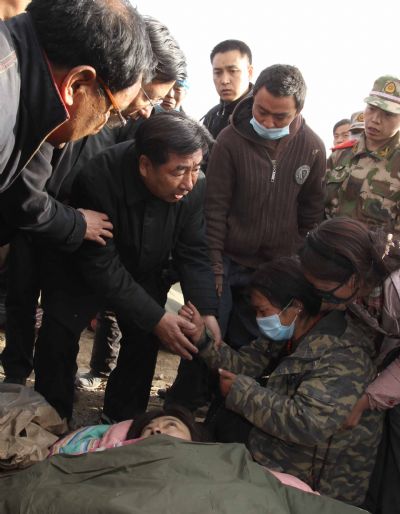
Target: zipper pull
273 171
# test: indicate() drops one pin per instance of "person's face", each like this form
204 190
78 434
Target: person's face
88 106
380 125
174 98
232 73
148 94
344 291
273 111
341 134
264 308
173 180
168 425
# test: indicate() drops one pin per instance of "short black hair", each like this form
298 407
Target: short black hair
281 280
109 35
197 431
339 123
171 61
283 80
231 44
171 132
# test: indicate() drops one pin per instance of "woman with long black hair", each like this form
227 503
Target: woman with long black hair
357 269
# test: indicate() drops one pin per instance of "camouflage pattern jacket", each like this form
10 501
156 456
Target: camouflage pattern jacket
298 415
365 185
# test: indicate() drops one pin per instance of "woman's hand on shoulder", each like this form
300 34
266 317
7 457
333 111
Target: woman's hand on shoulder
355 415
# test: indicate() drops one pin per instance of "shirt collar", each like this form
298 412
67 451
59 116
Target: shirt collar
383 152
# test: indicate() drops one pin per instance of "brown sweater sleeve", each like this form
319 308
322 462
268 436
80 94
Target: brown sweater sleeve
220 184
311 197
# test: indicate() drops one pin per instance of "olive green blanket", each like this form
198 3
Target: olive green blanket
158 475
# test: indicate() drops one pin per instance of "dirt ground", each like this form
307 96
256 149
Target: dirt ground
88 404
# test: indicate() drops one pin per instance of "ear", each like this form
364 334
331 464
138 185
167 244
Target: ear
250 71
298 305
353 281
77 80
145 165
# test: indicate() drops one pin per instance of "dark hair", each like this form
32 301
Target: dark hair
109 35
338 124
283 80
231 44
171 60
197 431
281 280
171 132
341 247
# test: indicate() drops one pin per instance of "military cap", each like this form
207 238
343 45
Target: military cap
385 94
357 121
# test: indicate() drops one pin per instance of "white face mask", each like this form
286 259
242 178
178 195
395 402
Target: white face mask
269 133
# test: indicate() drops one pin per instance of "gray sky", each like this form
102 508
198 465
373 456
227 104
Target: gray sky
340 47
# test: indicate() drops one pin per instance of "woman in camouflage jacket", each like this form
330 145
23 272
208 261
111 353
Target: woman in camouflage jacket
322 367
359 269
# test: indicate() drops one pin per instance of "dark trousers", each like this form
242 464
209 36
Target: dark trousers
21 303
236 316
129 384
128 387
106 343
57 347
383 495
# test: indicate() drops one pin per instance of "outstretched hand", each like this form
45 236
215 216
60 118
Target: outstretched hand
171 330
190 313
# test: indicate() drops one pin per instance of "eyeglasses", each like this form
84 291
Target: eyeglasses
116 119
152 102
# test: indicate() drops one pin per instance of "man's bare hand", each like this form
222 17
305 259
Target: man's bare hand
171 330
219 279
98 226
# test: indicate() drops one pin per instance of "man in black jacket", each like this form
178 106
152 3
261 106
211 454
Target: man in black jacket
64 75
153 192
231 62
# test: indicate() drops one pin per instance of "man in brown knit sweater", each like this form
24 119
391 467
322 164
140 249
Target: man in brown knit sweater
264 190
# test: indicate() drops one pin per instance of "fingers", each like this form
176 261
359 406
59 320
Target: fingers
182 347
107 225
185 324
223 373
184 342
106 233
99 240
186 312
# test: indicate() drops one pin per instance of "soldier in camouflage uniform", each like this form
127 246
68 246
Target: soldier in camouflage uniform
363 182
298 416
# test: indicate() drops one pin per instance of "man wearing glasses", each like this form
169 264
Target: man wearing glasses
64 75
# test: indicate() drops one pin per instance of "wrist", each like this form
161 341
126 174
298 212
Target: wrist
204 340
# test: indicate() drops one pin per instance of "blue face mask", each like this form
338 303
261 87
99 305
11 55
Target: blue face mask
158 108
272 327
269 133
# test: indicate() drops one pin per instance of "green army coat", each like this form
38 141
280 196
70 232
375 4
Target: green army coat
365 185
298 415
